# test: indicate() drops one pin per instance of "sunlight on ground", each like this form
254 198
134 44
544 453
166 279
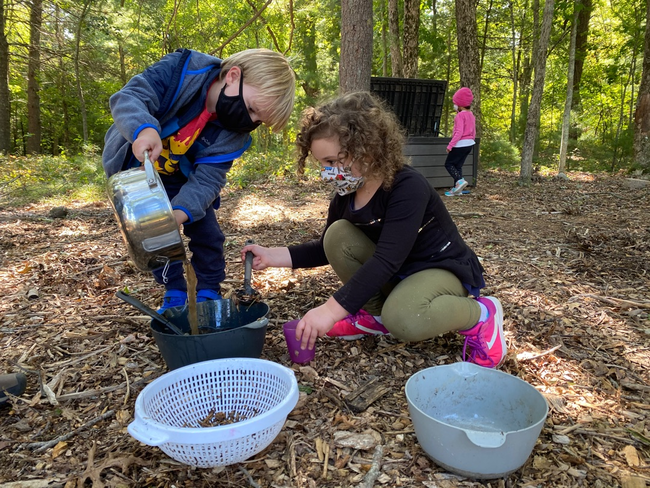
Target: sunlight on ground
254 210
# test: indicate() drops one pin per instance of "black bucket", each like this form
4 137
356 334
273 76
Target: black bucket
227 330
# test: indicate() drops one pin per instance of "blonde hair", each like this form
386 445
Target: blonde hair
271 74
367 130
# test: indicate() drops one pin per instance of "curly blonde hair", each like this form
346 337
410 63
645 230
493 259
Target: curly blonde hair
367 130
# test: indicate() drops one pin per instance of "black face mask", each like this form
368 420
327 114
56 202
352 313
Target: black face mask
232 112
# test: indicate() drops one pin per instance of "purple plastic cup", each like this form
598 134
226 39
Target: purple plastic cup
296 354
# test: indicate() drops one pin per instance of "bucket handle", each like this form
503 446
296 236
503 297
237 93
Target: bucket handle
141 432
258 324
152 181
486 439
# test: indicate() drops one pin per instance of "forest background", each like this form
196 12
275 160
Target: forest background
64 58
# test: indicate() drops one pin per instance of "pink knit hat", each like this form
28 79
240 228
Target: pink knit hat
463 97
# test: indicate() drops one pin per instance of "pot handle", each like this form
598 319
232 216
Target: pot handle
486 439
152 181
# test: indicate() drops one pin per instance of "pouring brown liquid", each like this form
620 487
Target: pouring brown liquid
191 297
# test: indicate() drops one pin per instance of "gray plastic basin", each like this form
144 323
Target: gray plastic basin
478 422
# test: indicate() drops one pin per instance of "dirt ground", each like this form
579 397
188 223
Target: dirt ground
569 260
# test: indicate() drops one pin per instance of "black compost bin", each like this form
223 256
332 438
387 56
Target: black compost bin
416 102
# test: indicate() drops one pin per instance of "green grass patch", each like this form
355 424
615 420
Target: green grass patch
51 179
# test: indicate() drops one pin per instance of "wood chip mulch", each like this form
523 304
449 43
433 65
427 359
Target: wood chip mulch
569 260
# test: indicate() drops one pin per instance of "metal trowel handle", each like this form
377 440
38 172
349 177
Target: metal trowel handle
248 270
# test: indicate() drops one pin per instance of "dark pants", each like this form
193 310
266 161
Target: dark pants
455 160
206 245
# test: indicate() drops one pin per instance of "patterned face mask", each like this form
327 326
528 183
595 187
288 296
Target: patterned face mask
342 179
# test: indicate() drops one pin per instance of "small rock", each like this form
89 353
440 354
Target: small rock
636 183
22 426
561 439
58 213
354 440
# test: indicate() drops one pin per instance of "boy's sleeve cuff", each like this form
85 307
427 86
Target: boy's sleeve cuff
141 128
190 220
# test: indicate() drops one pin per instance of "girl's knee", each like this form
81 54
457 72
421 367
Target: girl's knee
412 321
407 326
337 231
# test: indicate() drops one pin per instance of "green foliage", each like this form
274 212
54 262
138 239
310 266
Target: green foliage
254 167
499 153
82 65
52 179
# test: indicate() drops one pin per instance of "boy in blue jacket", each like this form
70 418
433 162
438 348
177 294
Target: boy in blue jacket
194 113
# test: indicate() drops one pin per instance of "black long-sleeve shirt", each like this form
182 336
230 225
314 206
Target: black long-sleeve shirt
413 231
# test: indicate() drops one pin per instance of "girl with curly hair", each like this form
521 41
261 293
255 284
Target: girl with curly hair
405 269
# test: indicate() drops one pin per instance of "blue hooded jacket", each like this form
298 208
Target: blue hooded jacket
166 96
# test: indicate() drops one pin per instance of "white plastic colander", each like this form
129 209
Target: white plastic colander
169 411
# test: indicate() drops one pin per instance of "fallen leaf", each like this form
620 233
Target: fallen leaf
59 449
631 456
273 463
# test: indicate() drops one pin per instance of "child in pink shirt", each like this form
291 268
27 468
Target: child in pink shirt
462 139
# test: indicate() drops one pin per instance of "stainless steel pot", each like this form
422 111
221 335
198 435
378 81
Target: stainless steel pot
145 217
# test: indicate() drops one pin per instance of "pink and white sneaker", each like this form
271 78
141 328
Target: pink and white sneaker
484 343
357 326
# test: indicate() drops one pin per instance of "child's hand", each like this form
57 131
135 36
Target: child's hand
148 140
180 217
267 257
318 322
448 150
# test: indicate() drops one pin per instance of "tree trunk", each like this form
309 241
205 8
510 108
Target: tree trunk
411 46
307 40
532 122
384 40
123 77
584 16
527 74
642 114
394 37
446 131
33 69
5 96
61 130
468 56
485 34
80 92
621 115
566 119
434 18
355 66
515 51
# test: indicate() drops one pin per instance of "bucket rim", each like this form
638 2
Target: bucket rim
470 369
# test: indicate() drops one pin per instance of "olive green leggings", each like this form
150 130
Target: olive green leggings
421 306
